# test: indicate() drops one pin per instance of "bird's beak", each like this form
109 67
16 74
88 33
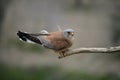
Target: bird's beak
72 33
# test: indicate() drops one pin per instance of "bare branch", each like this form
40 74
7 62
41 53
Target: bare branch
92 50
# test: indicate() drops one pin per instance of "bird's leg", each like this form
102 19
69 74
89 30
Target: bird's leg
62 53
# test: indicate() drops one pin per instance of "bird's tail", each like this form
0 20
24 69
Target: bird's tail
28 37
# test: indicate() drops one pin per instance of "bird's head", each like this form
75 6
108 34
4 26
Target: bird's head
68 33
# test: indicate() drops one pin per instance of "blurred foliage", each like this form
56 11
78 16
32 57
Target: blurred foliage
48 73
21 45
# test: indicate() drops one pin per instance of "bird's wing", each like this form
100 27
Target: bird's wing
59 28
45 34
42 33
57 41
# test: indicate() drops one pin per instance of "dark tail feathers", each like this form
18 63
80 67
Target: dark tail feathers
25 36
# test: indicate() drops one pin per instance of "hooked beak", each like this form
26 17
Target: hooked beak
72 33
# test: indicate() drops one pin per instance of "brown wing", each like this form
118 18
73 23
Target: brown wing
58 41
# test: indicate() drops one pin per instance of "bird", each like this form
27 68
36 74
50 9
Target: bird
58 41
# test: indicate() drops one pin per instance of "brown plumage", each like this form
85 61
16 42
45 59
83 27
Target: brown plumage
57 39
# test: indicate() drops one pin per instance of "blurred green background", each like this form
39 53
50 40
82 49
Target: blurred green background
96 24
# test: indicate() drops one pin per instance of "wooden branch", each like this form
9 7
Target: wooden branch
91 50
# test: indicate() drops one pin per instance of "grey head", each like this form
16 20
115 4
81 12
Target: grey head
68 33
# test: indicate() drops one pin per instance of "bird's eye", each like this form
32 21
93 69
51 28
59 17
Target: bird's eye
68 32
71 33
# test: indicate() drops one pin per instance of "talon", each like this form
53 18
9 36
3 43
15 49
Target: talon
62 54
